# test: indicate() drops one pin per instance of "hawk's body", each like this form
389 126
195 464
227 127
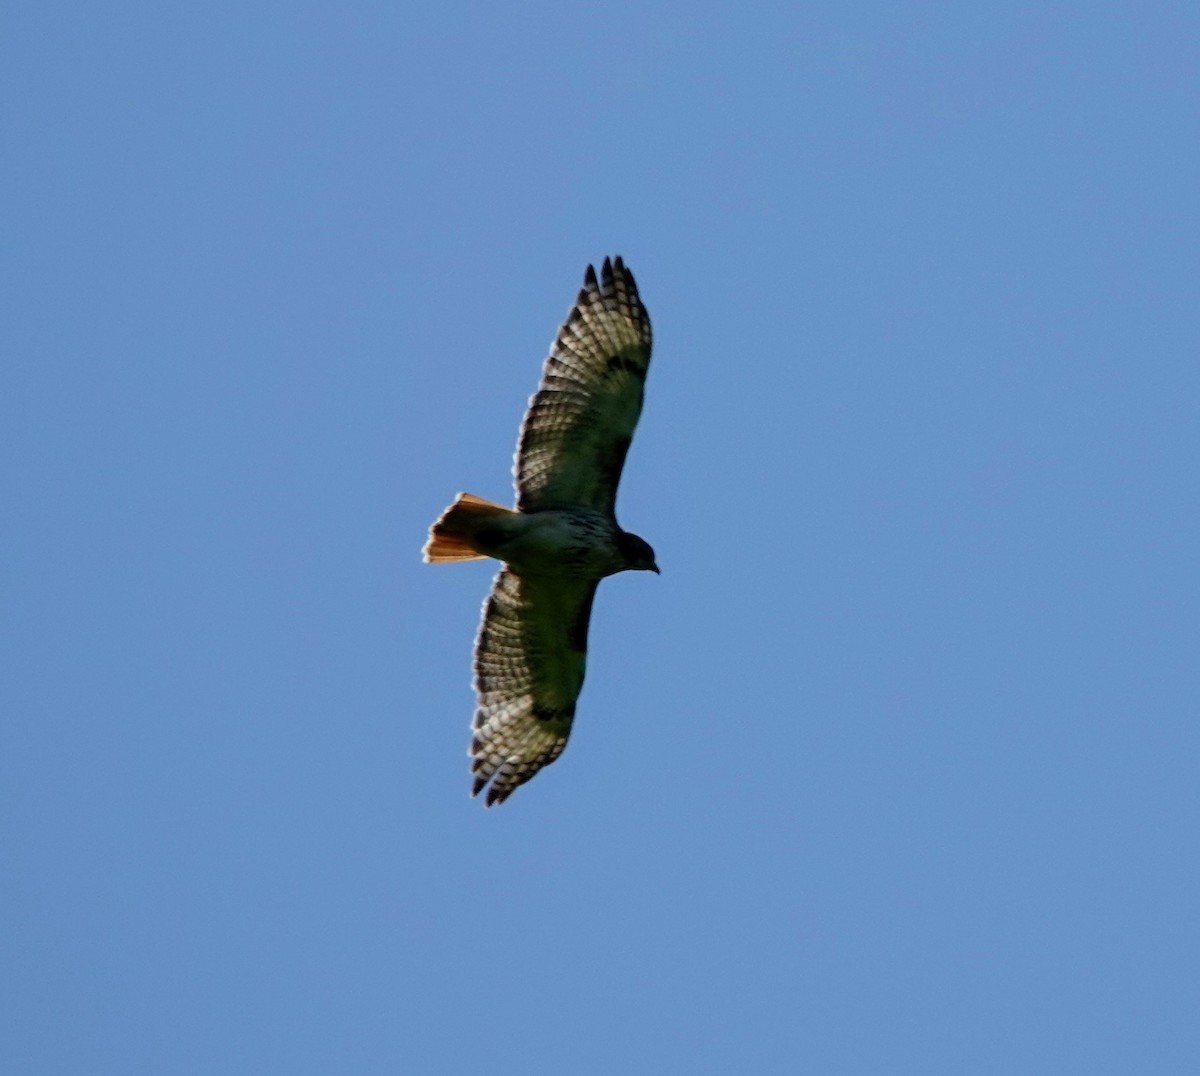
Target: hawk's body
561 539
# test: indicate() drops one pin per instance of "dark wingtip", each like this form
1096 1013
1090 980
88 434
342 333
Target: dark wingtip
606 272
589 278
477 787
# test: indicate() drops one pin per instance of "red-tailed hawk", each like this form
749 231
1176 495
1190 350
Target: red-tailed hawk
561 539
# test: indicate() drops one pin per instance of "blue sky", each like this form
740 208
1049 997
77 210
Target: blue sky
894 769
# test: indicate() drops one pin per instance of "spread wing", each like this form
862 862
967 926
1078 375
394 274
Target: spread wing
581 419
529 664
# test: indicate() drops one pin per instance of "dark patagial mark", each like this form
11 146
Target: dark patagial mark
578 635
554 713
611 466
624 364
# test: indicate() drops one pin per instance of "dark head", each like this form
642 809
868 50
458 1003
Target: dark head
637 554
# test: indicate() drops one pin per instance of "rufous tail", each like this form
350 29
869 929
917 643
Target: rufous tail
452 537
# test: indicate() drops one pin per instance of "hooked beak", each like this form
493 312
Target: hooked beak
654 568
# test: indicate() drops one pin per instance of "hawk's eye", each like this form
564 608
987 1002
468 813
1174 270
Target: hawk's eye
635 549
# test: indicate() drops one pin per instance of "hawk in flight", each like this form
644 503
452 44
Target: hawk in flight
560 540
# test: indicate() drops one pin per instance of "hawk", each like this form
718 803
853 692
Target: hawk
561 539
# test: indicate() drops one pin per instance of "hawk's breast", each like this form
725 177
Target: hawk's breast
563 541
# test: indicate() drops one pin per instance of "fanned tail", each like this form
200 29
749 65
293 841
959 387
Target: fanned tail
454 536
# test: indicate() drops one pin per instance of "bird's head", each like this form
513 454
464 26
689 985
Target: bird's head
636 552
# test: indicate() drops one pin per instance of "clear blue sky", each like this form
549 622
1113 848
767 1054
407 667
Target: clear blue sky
894 769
